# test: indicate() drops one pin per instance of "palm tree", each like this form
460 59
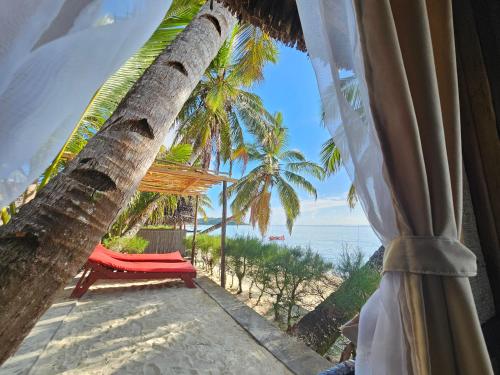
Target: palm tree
222 105
107 98
46 243
278 170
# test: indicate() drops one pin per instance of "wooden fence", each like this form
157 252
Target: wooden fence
164 240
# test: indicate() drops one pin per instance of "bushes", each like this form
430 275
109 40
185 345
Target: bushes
129 245
208 249
283 273
241 253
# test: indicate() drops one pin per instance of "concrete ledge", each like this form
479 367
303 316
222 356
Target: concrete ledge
296 356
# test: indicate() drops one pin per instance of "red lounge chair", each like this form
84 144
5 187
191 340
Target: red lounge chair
100 266
167 257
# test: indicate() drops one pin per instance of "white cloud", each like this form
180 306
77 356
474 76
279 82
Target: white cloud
323 211
332 210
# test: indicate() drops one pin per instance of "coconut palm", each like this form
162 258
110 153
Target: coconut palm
278 170
221 106
107 98
85 198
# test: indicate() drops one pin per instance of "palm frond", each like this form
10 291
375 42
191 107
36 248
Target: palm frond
255 49
352 197
330 157
289 201
301 182
292 155
307 167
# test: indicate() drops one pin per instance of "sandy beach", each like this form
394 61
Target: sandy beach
145 330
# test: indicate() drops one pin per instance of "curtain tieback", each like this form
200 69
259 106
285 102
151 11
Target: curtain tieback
429 255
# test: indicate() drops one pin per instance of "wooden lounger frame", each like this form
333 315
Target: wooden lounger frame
94 271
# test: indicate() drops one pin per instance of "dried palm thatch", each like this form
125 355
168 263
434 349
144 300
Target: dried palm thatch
280 19
170 178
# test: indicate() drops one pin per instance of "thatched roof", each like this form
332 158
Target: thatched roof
279 18
176 179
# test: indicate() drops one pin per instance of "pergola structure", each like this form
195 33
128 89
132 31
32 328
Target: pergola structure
179 179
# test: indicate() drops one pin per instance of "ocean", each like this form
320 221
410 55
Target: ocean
326 240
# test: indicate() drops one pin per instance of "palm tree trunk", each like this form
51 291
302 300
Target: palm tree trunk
138 222
50 238
218 225
320 328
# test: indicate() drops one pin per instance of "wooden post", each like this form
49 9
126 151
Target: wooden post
223 236
195 227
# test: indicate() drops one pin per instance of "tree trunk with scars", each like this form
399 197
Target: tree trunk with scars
320 328
50 238
218 225
137 223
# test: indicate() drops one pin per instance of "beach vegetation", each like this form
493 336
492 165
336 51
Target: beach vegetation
127 245
282 273
241 253
278 170
222 106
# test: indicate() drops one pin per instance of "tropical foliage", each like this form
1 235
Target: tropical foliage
330 154
222 105
284 274
107 98
208 248
278 170
129 245
144 205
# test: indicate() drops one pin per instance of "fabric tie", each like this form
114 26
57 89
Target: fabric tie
429 255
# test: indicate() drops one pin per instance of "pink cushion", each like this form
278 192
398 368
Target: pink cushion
167 257
161 267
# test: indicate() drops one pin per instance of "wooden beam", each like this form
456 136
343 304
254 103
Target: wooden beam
195 227
223 236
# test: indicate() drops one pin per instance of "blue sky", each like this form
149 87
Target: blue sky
290 87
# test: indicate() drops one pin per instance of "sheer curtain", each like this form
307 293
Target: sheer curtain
387 78
54 55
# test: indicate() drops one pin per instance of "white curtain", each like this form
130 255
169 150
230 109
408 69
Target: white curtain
54 55
333 45
388 81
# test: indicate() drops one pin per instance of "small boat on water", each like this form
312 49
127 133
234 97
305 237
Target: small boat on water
277 238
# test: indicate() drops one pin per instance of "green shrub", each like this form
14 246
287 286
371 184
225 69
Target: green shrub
208 248
349 261
129 245
158 227
242 253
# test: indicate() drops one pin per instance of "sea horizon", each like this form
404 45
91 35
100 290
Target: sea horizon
327 243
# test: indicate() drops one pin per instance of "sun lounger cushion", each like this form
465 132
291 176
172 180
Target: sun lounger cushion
167 257
161 267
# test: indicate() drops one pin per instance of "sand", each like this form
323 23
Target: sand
145 330
313 297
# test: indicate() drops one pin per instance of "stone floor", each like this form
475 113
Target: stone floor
158 328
